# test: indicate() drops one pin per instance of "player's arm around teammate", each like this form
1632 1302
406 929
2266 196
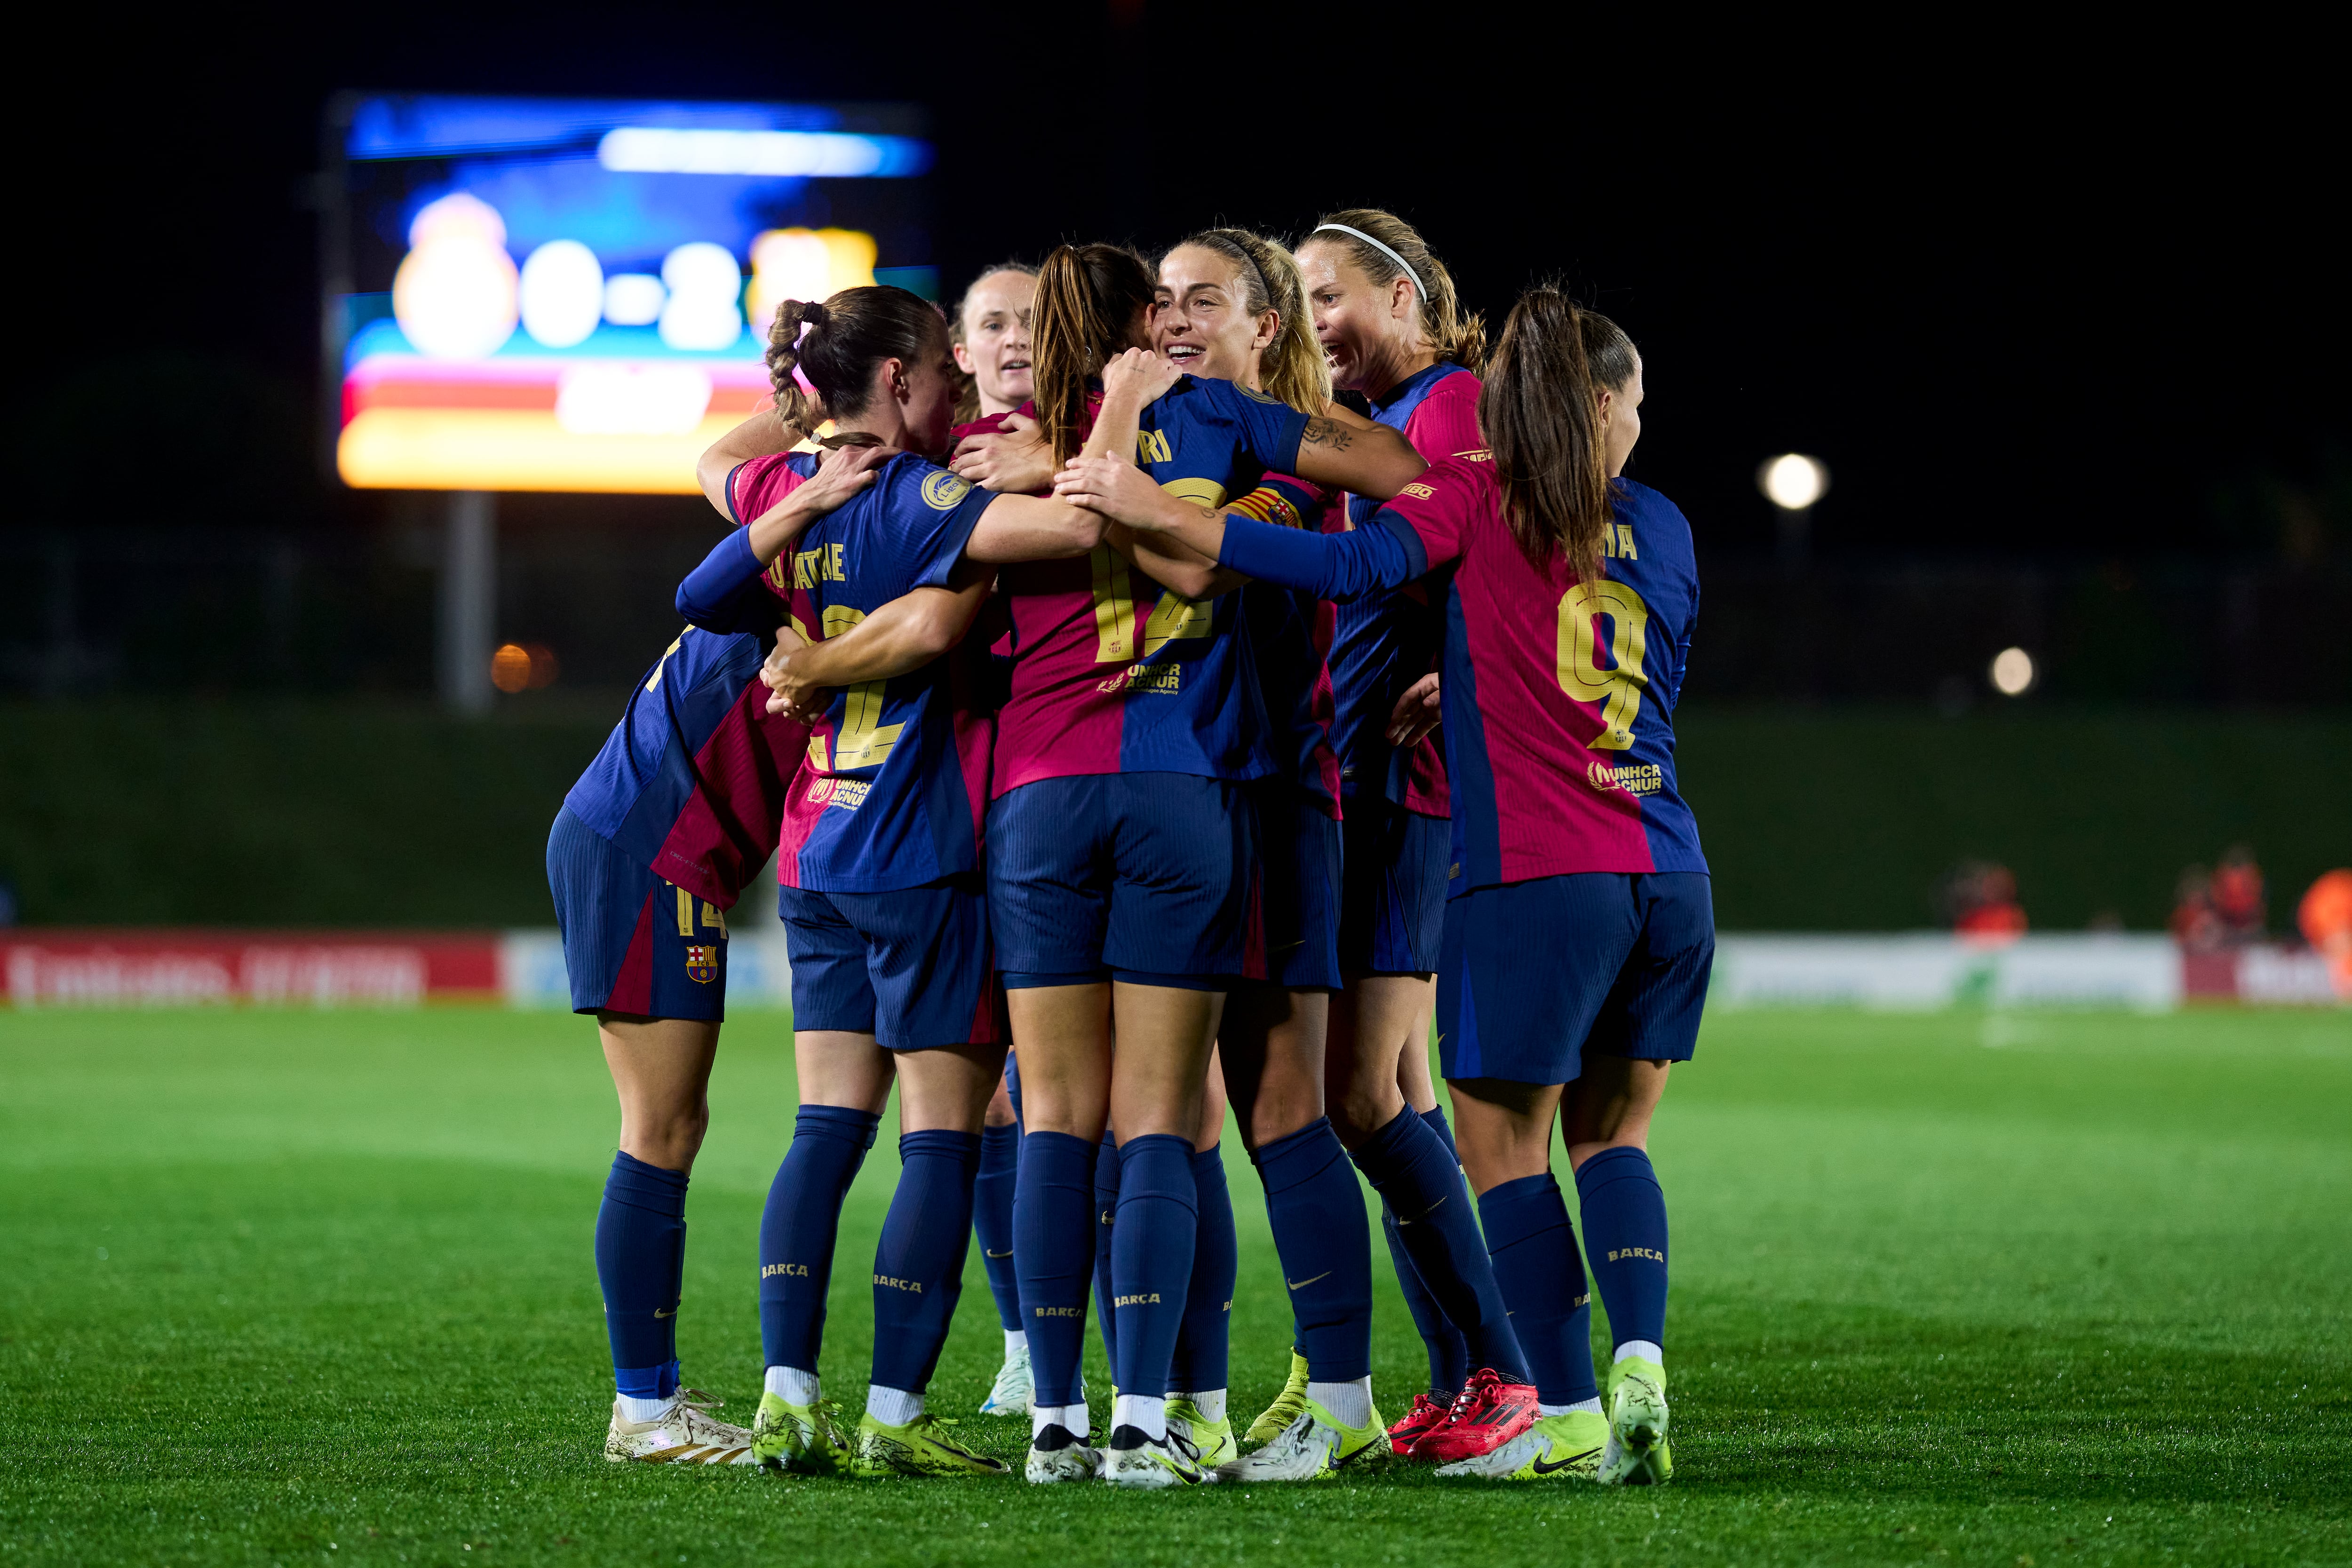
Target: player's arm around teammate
1567 822
884 908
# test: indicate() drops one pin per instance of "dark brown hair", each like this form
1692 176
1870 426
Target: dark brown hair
1292 367
1540 412
1452 332
847 336
1087 299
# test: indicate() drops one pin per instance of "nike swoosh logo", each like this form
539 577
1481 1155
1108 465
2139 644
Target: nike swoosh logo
660 1313
1542 1468
1302 1284
996 1254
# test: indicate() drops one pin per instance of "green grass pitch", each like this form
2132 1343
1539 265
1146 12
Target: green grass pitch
284 1288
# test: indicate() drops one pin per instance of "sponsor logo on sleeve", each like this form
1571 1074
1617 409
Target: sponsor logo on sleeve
1418 491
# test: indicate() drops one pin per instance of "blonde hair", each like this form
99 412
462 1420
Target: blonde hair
1292 367
1452 332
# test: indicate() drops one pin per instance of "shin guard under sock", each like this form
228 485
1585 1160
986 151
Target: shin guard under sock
992 1219
919 1266
1542 1278
1151 1256
1316 1209
1203 1342
640 1261
1053 1246
1449 1353
798 1228
1105 1213
1625 1240
1408 1164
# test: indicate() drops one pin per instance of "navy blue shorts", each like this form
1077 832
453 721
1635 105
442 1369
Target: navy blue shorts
1535 974
633 944
1302 889
911 967
1394 917
1148 877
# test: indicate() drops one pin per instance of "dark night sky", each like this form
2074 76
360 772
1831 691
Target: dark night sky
2022 295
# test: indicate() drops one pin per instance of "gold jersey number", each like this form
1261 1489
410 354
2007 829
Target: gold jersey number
1173 618
1618 690
865 741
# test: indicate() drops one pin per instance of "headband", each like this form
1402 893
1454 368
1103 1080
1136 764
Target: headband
1385 251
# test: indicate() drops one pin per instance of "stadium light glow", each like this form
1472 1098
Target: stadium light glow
816 155
634 298
1792 481
2012 672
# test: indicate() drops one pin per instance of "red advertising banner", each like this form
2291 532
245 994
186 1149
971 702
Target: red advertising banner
271 968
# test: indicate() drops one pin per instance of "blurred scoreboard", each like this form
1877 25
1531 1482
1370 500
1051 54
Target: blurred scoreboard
558 293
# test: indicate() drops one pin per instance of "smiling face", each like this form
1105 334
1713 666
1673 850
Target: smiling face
995 347
1370 332
1200 316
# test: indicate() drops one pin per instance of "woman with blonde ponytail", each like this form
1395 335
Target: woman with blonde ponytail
1579 927
1124 863
1394 330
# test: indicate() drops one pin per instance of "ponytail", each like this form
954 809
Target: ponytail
1540 411
827 372
1087 297
1292 368
1451 332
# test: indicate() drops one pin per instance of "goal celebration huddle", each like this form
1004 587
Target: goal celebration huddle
1168 686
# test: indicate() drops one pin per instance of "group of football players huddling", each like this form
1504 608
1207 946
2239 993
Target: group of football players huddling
1165 688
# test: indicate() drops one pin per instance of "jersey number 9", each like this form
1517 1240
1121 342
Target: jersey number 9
1617 688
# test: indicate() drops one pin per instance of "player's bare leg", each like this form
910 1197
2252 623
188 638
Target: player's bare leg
1372 1020
661 1072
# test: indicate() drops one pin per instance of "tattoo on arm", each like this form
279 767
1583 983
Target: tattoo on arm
1330 433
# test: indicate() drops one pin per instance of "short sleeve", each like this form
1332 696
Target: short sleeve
1270 429
937 511
1439 506
1447 420
759 483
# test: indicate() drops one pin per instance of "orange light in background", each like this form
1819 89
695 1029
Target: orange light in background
524 667
510 667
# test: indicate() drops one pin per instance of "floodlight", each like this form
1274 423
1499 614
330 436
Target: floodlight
2012 672
1792 481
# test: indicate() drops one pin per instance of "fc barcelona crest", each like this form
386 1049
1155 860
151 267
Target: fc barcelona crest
702 964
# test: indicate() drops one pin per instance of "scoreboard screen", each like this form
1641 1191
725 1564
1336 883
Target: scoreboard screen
555 294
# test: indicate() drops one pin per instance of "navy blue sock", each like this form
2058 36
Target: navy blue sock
1449 1353
1542 1277
1409 1165
798 1227
1053 1247
991 1218
1203 1342
1626 1238
1106 1213
919 1266
1013 1086
640 1260
1316 1211
1151 1256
